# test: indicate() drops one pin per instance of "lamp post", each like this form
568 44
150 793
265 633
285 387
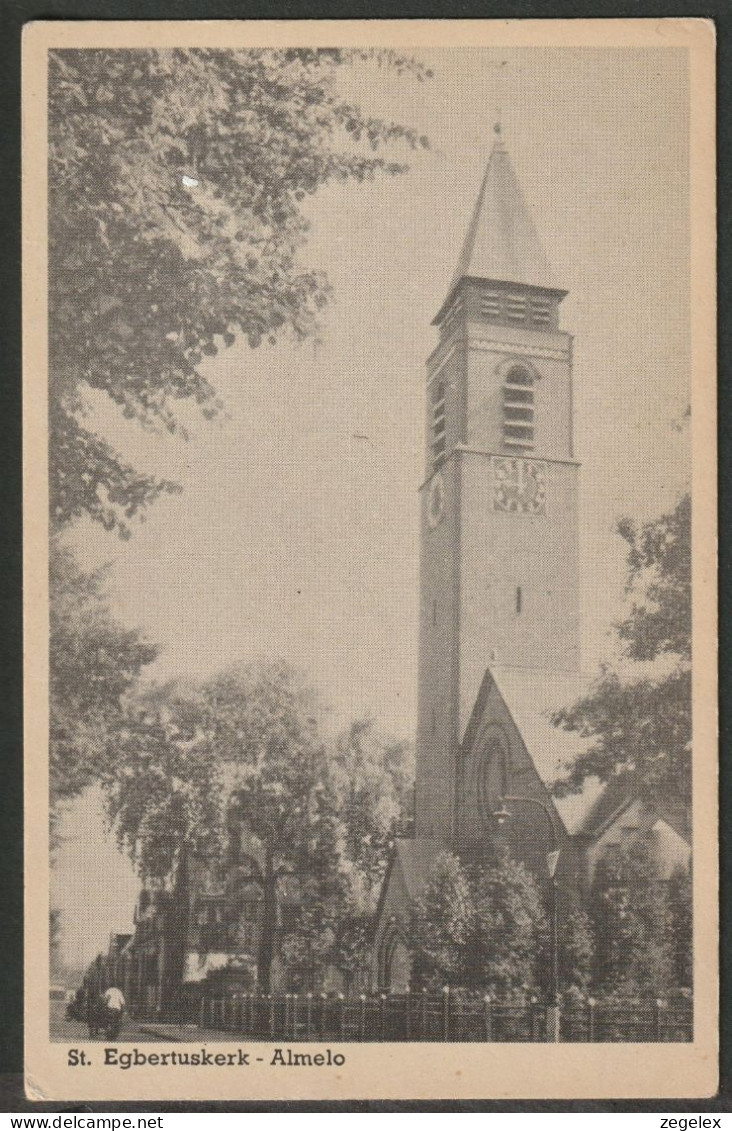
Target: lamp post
501 815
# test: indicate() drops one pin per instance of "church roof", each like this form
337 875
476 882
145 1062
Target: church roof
501 242
532 696
411 859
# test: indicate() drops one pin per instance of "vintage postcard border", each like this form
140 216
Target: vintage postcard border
383 1071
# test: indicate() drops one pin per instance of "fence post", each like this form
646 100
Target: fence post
202 1013
553 1019
407 1017
286 1019
341 1015
295 1003
323 999
590 1019
532 1018
362 1018
488 1017
382 1025
423 1034
271 1015
445 1013
308 1015
657 1012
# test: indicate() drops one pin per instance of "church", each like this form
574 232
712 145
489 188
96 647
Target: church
499 632
499 650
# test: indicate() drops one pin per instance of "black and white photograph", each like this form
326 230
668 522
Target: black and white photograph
368 558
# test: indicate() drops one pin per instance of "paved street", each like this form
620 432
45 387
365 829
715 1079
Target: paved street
76 1032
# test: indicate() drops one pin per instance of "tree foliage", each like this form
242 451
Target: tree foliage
164 786
681 917
577 949
642 931
641 723
373 781
480 928
242 756
176 184
510 928
442 926
94 662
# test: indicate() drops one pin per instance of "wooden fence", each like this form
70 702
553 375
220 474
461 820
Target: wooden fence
448 1016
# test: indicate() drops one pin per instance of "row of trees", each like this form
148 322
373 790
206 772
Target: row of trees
193 764
487 928
171 760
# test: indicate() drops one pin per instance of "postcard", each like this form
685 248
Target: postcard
369 393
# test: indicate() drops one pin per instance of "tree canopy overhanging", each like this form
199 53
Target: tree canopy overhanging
176 185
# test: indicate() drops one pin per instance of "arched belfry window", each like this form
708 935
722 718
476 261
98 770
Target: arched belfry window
518 407
492 774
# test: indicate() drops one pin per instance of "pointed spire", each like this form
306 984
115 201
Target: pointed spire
502 243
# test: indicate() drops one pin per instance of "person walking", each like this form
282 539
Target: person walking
114 1004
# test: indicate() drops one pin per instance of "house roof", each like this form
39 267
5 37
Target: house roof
616 795
502 242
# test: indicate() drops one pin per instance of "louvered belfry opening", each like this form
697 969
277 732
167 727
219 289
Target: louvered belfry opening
511 306
438 422
518 408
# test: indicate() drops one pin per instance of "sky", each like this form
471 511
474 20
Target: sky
297 531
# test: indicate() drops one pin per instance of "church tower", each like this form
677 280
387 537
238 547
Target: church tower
499 541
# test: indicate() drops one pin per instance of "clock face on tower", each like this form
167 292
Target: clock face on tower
436 501
519 485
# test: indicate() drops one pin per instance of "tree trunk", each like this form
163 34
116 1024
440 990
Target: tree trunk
269 925
172 958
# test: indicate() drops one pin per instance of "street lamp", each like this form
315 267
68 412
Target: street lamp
500 816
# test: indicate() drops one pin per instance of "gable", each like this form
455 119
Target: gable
496 764
637 821
406 876
520 703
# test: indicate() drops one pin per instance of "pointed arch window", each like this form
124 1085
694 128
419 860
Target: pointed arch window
518 407
492 777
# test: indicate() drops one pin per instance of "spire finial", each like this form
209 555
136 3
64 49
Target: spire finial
497 130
